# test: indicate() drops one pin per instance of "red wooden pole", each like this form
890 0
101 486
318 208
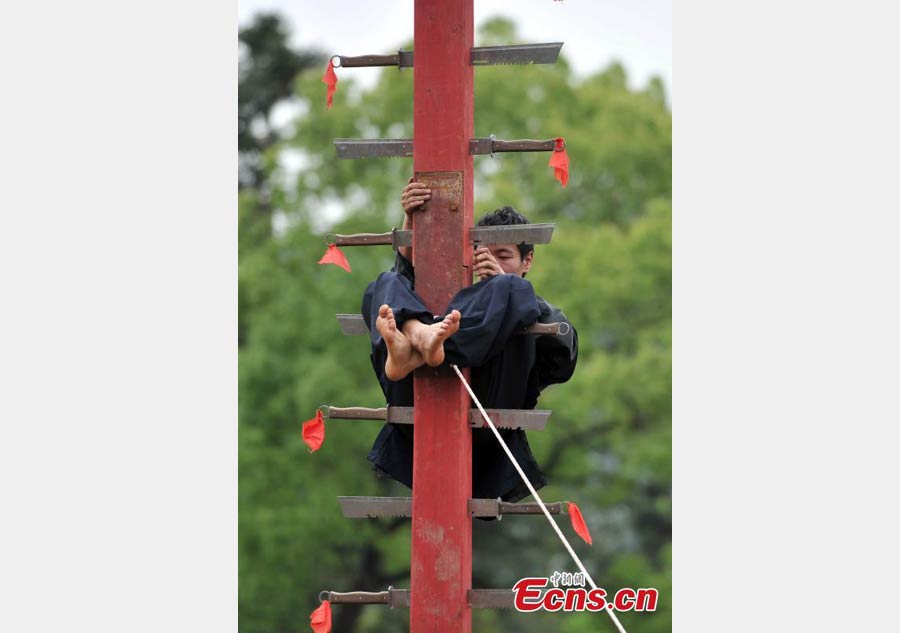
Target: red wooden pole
443 123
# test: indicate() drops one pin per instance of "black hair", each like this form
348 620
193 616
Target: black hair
506 216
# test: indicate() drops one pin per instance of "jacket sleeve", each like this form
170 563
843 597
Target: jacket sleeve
404 267
555 356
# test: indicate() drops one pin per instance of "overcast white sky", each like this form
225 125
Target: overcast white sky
636 32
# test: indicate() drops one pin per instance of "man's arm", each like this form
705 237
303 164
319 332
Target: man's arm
556 356
414 195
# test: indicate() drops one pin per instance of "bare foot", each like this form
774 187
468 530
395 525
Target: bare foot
429 339
402 358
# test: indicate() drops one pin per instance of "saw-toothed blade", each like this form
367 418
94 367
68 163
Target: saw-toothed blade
375 507
525 419
349 148
354 325
401 507
491 598
374 147
512 234
399 598
546 53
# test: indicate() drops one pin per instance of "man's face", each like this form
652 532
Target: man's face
510 260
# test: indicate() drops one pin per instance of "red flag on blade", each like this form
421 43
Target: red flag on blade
334 256
314 432
559 161
330 80
578 523
320 619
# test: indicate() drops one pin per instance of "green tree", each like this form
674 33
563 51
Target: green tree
608 443
266 70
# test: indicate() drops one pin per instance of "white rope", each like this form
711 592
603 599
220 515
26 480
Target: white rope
534 494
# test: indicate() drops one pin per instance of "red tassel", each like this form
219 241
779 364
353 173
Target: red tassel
578 523
330 80
334 256
320 619
559 161
314 432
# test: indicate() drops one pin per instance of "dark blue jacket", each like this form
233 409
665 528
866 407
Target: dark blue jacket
509 370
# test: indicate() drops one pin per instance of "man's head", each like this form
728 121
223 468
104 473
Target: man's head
514 259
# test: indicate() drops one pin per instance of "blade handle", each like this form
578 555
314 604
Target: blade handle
529 508
356 597
524 145
369 60
560 329
355 413
363 239
491 598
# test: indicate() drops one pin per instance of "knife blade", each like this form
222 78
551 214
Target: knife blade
515 234
354 325
350 148
545 53
399 598
401 507
374 147
525 419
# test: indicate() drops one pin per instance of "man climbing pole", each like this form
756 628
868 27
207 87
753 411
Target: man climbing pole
481 331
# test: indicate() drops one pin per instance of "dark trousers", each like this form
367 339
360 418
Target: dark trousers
493 311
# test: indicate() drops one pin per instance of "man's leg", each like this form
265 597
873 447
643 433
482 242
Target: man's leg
396 291
482 316
492 310
404 325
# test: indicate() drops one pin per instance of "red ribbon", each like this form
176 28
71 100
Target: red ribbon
334 256
578 523
330 80
320 619
559 161
314 432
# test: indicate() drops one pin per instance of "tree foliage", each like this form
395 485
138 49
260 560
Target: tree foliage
608 443
266 71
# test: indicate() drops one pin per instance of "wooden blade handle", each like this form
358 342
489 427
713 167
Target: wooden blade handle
529 508
356 597
369 60
356 413
363 239
548 328
524 145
